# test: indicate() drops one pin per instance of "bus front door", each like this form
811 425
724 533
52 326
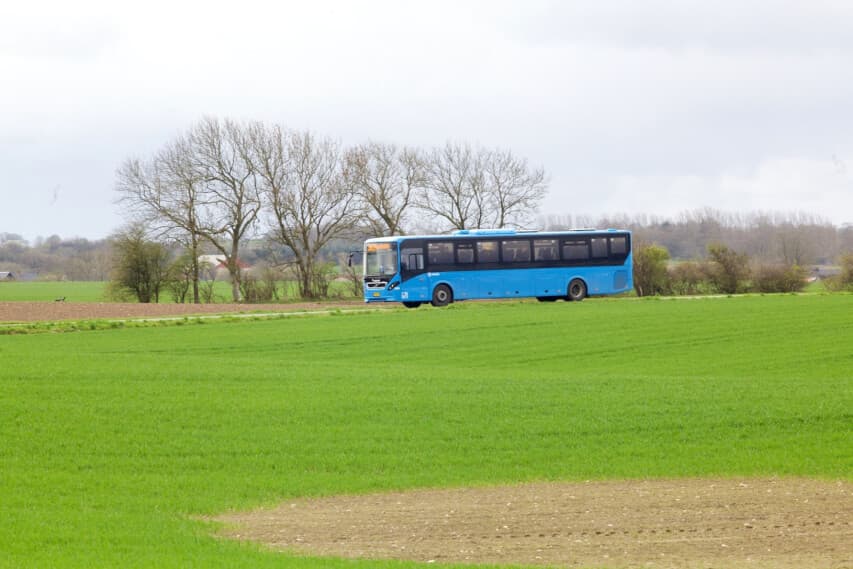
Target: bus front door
416 289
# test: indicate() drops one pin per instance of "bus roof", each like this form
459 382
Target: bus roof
471 233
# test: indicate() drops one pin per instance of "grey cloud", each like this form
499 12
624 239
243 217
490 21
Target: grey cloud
727 25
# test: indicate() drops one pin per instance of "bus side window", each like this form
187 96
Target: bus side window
599 247
544 249
575 250
412 259
465 253
618 246
515 251
487 251
440 253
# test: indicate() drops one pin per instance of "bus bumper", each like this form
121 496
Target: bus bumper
381 296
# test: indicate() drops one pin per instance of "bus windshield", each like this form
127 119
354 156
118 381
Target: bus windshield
380 259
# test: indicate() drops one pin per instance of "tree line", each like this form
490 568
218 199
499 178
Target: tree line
224 181
794 238
55 258
725 271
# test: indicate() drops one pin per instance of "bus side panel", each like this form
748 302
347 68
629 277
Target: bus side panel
607 280
489 284
549 282
416 289
516 283
601 281
464 284
620 280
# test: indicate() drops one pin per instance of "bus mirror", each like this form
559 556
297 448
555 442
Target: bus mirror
349 260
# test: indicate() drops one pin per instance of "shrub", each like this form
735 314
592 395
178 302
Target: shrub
650 275
691 278
263 288
730 270
844 280
140 266
779 278
180 279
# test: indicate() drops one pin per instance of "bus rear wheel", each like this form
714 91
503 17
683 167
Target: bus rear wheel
577 290
442 295
411 304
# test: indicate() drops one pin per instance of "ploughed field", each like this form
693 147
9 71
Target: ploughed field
616 433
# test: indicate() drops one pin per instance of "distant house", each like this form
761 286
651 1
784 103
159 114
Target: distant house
214 267
7 276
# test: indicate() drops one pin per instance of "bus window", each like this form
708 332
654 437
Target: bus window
599 247
487 251
516 251
380 259
575 250
412 259
440 253
618 245
545 250
464 253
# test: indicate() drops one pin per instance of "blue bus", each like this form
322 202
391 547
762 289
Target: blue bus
497 263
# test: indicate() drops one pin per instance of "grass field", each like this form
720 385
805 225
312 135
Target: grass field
72 291
114 441
84 291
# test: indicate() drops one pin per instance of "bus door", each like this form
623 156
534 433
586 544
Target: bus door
415 285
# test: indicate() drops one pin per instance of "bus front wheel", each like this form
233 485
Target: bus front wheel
442 296
411 304
577 290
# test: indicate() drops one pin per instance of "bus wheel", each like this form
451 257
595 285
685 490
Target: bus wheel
577 290
442 296
411 304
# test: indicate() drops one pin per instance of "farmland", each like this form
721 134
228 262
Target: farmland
76 291
96 291
116 443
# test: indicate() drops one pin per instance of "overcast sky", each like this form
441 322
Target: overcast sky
631 106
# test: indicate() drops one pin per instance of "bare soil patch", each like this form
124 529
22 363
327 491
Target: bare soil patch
694 523
53 311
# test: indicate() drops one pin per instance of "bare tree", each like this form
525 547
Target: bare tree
166 193
304 193
472 188
448 193
384 177
514 190
221 156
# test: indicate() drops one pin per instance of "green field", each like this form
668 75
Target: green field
85 291
72 291
114 441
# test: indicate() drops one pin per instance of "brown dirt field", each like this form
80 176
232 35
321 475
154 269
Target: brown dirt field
692 523
53 311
